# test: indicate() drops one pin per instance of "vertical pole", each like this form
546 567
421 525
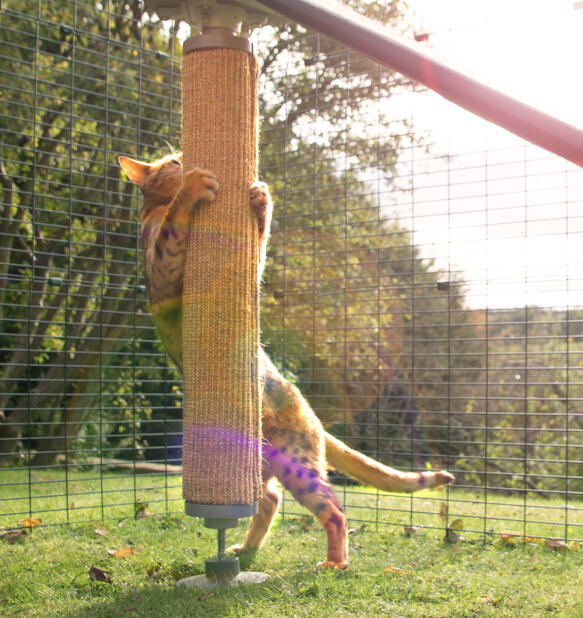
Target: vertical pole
222 427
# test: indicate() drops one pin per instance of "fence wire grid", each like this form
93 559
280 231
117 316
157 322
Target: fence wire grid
423 293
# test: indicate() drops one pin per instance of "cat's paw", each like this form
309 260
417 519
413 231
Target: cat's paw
443 477
239 549
330 564
201 184
435 479
261 203
246 556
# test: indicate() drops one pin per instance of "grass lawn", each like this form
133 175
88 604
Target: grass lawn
47 571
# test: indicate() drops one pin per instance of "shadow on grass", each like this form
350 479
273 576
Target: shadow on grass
167 599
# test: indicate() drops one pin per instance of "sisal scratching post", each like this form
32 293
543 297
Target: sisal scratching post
222 425
222 430
220 308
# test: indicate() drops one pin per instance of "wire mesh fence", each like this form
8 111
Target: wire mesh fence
421 289
84 379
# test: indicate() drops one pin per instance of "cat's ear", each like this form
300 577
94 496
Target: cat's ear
136 171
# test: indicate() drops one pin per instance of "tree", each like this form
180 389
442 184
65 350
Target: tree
82 366
351 310
69 282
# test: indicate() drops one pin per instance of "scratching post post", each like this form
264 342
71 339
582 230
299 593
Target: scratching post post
222 432
220 309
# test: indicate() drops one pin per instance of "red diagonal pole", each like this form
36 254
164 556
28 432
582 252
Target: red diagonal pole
457 85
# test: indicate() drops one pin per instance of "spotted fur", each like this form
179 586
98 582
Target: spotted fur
296 450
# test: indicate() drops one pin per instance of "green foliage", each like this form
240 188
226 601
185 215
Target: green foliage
350 308
530 426
71 292
97 85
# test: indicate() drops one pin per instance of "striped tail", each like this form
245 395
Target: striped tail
371 472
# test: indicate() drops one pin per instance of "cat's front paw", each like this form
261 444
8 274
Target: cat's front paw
330 564
246 556
261 204
201 184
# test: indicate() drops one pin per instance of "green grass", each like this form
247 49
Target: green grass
46 572
83 494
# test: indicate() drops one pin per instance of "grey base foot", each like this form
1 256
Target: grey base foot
202 581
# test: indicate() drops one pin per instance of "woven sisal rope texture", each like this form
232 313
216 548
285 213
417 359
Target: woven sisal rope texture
222 417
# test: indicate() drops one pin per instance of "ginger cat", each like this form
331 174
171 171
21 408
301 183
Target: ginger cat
296 449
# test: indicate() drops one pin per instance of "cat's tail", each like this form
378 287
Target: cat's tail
371 472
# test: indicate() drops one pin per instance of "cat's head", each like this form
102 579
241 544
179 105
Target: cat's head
159 180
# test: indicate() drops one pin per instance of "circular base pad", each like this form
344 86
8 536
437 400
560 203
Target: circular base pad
225 568
202 581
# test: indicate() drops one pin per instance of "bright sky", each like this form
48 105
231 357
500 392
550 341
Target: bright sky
534 47
510 219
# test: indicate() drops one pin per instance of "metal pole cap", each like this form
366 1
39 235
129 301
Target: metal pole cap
239 16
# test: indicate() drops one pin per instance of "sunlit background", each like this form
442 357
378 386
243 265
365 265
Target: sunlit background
423 284
506 216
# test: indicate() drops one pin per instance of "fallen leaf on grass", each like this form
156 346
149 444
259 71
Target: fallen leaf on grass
443 510
99 575
391 569
409 531
30 523
451 535
556 544
101 532
13 535
124 552
510 537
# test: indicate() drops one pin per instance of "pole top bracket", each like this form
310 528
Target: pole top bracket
238 16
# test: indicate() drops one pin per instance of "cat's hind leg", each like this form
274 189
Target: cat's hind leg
308 484
317 496
262 520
